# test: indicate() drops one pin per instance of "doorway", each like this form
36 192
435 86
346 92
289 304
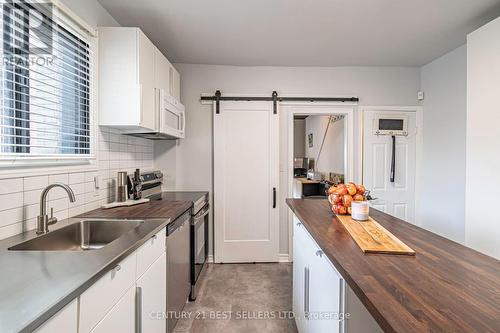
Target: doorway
291 111
319 149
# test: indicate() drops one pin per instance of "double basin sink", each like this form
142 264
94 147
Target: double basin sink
80 236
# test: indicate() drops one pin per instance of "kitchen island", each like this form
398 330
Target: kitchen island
445 287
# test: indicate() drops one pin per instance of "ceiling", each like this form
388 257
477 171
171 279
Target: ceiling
305 32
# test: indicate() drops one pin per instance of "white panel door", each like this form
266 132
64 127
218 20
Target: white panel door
246 173
395 198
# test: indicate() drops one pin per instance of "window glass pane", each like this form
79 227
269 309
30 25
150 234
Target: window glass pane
45 81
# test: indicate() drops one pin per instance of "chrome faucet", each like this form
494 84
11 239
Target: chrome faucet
43 220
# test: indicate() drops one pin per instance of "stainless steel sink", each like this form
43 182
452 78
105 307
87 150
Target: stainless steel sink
80 236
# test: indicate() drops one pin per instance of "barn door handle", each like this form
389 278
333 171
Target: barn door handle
274 197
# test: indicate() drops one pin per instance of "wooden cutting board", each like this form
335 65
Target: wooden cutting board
371 237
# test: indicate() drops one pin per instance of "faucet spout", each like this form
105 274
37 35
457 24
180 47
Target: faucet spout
43 221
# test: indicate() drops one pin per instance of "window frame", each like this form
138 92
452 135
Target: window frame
9 162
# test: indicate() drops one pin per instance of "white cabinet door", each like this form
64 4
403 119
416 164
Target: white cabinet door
153 297
146 64
326 295
299 277
65 320
318 289
121 318
99 298
176 84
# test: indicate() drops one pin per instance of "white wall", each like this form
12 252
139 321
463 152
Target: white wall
299 137
332 155
482 226
19 196
441 203
374 86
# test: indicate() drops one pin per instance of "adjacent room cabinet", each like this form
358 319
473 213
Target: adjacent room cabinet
124 299
132 72
321 298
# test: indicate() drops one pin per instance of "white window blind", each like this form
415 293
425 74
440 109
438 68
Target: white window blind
46 83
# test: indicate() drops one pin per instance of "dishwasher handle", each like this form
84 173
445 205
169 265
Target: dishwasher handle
178 223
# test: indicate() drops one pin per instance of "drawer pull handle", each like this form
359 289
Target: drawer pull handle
299 224
319 253
138 309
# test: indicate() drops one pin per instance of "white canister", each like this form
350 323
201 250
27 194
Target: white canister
360 210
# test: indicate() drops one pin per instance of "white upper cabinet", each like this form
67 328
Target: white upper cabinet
132 72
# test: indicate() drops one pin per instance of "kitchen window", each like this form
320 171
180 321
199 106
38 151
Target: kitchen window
46 89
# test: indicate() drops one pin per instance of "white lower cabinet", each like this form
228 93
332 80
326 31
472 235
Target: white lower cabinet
152 297
99 298
65 320
321 297
121 317
317 287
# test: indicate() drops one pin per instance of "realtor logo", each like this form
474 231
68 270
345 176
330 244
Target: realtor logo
27 28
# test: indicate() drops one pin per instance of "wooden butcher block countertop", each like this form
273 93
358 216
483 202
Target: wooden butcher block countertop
149 210
445 287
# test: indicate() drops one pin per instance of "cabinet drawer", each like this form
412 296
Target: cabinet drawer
96 301
63 321
150 251
121 318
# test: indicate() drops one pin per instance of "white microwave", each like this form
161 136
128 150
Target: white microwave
172 116
171 120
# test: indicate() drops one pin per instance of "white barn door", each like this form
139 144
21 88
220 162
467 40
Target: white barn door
395 198
246 177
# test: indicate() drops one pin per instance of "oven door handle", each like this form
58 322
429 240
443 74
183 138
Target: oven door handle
203 214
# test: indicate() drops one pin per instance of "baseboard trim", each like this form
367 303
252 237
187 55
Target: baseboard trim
283 257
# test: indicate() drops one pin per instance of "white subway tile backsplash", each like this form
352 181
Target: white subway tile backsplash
12 185
11 216
35 183
61 178
76 178
89 176
19 197
11 200
32 197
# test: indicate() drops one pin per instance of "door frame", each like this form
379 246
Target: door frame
419 142
289 110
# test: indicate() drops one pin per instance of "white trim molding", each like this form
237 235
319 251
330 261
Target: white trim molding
284 257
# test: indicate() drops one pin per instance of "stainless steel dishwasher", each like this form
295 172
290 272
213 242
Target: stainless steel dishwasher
178 278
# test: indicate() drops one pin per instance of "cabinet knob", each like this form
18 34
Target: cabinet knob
319 253
299 224
117 268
